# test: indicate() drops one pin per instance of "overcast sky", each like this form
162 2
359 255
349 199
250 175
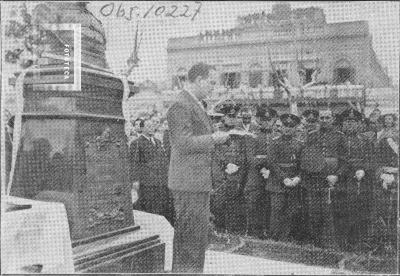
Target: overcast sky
383 18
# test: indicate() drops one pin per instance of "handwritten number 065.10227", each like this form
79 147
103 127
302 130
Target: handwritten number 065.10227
155 10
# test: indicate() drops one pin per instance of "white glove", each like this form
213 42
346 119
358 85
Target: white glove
265 173
332 179
359 174
387 180
134 195
296 180
288 182
231 168
134 191
135 185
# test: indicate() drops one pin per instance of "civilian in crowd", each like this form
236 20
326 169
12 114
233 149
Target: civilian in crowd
149 170
192 143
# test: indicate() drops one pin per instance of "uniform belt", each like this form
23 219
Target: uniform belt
286 165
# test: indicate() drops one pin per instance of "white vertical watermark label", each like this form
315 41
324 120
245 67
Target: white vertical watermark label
67 60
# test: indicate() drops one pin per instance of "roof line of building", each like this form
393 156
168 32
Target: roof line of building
264 42
258 28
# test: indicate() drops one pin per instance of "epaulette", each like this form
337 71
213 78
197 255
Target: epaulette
338 131
313 131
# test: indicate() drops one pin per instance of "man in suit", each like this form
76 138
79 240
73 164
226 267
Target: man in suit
149 168
192 144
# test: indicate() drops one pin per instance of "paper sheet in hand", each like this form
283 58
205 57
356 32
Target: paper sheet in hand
240 133
261 156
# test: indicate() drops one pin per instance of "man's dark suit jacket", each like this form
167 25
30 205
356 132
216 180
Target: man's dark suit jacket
148 162
190 132
166 144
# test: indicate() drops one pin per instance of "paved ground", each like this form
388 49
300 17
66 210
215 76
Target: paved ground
227 263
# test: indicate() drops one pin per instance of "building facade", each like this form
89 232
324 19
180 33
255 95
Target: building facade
286 40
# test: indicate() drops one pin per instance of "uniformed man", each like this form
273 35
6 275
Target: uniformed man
257 198
358 182
217 200
247 124
386 186
309 123
373 122
232 161
323 163
285 178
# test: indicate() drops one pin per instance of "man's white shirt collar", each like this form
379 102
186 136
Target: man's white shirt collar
148 137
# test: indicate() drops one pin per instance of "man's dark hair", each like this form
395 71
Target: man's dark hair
141 122
11 122
199 70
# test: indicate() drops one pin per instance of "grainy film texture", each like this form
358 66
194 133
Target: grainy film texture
200 137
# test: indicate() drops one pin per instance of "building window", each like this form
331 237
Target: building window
231 79
343 72
308 76
255 78
343 75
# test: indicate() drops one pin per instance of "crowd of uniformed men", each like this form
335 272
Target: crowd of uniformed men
322 178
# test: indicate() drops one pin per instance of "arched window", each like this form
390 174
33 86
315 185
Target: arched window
255 75
343 72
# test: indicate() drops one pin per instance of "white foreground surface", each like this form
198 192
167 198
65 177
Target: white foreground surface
152 224
35 236
225 263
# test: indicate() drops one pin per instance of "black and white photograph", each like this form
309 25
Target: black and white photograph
200 137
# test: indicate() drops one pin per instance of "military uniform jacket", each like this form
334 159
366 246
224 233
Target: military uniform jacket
385 155
233 151
359 153
284 163
359 156
324 154
260 145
